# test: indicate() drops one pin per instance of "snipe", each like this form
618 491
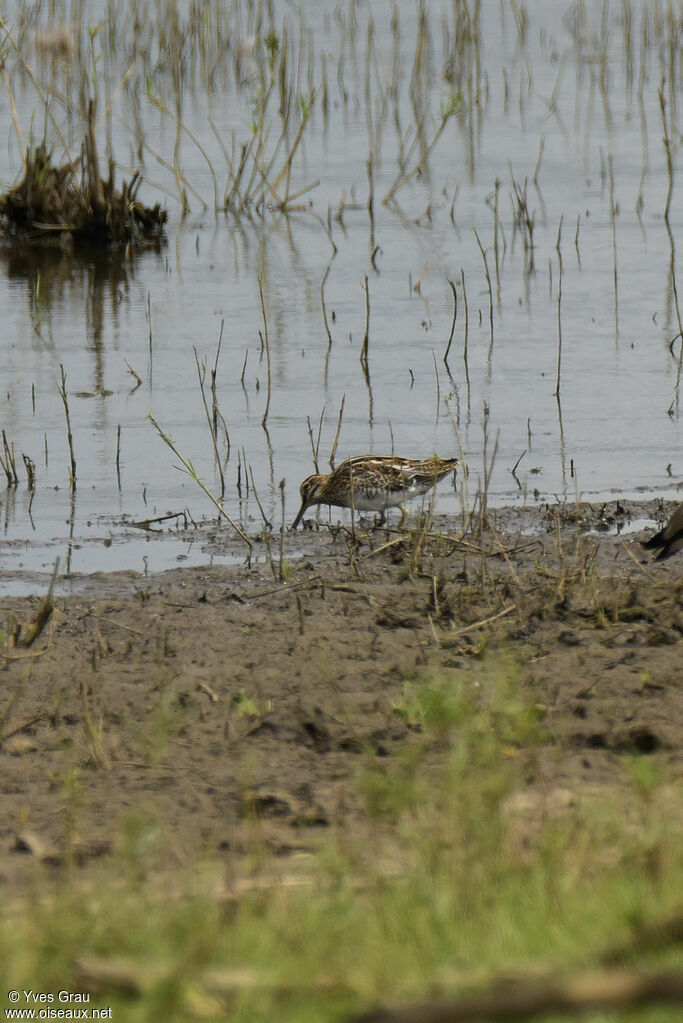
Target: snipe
374 483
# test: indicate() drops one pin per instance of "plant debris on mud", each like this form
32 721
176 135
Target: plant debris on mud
270 696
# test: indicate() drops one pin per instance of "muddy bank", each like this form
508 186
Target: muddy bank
223 705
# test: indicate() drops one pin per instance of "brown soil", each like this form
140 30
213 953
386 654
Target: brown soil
207 698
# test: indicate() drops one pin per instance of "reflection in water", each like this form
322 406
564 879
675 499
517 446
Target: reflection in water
54 278
613 220
563 447
673 306
72 524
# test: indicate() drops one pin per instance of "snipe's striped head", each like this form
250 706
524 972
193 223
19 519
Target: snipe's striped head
311 490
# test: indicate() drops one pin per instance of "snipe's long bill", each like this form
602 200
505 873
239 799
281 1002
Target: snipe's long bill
374 483
670 539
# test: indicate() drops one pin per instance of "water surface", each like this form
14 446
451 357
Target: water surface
562 105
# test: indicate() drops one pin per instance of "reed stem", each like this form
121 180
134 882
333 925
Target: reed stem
69 435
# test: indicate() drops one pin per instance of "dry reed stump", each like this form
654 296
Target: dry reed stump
72 204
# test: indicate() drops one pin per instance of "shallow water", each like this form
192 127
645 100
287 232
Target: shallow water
567 90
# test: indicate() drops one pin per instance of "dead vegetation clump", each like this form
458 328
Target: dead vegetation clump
72 204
